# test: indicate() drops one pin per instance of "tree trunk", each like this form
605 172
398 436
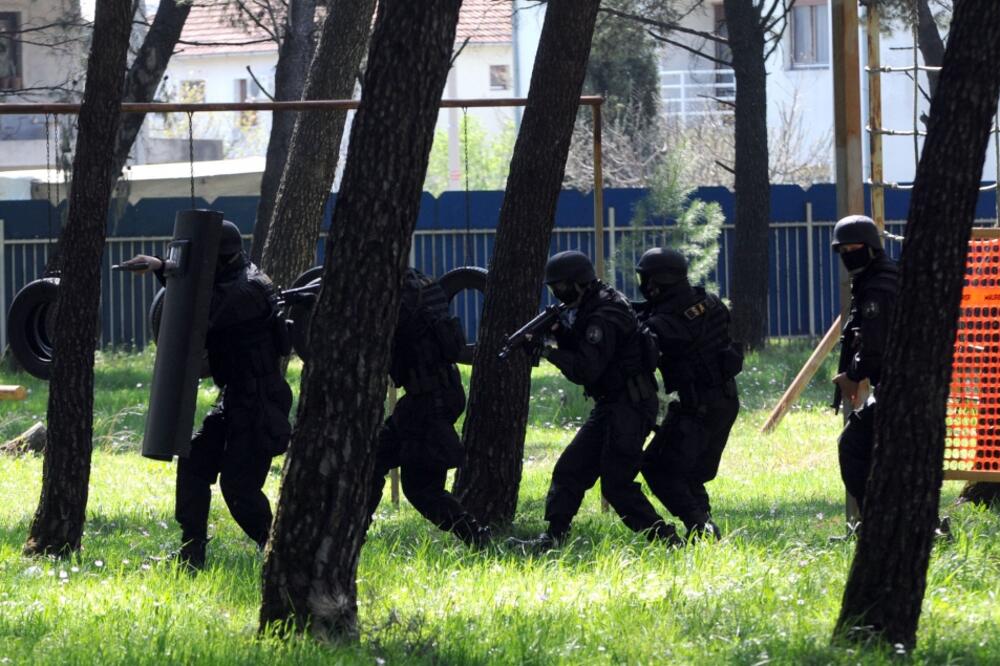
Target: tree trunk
886 585
749 278
58 522
930 43
311 563
290 247
147 70
294 56
141 82
494 429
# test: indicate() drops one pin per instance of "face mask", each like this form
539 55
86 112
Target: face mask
648 288
856 261
565 292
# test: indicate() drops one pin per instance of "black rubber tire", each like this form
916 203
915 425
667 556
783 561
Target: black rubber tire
458 280
307 276
155 314
31 326
301 315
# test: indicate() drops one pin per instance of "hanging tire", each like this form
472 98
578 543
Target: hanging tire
31 326
156 314
307 276
458 280
300 315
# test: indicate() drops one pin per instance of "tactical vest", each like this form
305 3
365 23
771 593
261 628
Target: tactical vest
428 340
882 275
244 346
633 363
710 359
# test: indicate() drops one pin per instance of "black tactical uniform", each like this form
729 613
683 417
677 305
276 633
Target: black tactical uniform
874 286
249 423
601 347
419 437
698 361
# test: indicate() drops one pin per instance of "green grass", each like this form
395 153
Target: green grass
769 593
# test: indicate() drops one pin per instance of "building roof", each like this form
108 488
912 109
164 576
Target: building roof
211 25
485 21
219 28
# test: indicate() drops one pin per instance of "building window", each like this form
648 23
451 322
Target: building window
191 92
499 77
810 33
247 90
10 54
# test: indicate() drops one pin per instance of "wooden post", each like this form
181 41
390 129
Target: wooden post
801 380
9 392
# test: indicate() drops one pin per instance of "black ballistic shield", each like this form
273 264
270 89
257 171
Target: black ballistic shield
190 271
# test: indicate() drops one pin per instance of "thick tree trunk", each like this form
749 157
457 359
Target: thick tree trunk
58 522
294 57
749 277
311 562
494 428
886 585
290 247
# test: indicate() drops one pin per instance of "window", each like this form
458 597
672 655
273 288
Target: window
10 54
499 77
191 92
810 33
247 90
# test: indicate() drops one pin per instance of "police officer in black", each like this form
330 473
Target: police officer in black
419 437
699 362
602 348
249 424
874 286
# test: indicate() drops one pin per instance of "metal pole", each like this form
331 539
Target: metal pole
811 268
394 472
598 215
3 290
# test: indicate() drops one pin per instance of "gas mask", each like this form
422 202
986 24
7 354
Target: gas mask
856 261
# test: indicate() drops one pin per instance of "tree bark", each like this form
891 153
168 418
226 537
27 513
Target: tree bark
146 72
308 174
311 562
930 43
58 522
494 429
886 585
749 278
294 56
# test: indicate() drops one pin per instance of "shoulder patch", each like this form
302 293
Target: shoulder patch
870 309
594 334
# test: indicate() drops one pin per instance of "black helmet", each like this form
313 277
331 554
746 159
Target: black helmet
857 229
569 266
230 242
662 264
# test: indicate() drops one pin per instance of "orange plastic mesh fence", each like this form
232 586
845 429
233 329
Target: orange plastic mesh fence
972 442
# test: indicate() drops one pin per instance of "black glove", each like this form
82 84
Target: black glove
534 351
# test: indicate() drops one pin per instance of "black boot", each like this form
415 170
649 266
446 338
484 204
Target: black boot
943 530
665 533
192 554
472 534
542 543
706 530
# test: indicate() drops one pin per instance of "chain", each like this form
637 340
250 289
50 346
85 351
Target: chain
190 115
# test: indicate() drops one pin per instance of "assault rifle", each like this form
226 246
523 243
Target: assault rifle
846 351
532 332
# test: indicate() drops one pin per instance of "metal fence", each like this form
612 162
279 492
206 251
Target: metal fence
802 272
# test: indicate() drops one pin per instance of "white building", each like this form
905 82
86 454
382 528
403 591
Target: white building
799 73
33 71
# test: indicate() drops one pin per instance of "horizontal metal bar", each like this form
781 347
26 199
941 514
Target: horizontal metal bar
891 69
301 105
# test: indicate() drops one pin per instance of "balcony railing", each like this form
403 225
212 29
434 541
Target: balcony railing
695 93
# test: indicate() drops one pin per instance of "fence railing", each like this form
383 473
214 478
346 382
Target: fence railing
693 93
803 273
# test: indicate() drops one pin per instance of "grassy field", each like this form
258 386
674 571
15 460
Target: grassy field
769 593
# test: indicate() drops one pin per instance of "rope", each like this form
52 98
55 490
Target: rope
468 202
190 115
